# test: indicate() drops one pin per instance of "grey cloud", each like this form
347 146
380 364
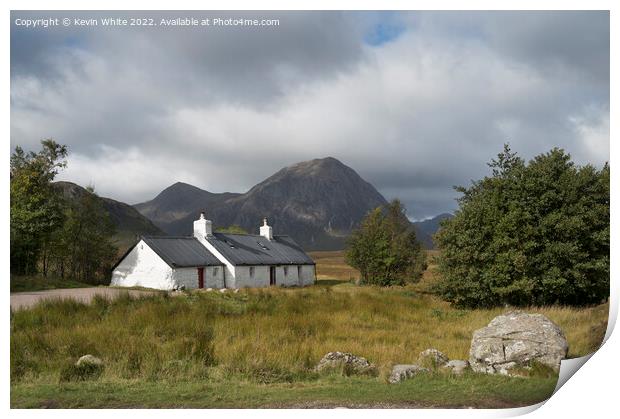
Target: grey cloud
575 40
130 78
237 64
414 116
549 41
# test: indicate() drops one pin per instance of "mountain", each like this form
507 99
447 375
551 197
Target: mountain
317 202
179 201
427 228
128 222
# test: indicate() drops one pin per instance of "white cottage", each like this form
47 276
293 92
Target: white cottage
215 260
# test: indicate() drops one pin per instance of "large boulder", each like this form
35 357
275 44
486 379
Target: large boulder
514 340
346 362
404 371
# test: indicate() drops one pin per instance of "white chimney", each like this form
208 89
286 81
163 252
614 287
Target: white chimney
266 231
202 227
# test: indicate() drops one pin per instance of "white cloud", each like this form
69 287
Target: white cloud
125 174
593 134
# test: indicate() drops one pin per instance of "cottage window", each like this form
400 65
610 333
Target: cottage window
215 270
251 271
285 270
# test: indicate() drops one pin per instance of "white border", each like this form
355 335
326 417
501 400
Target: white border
592 392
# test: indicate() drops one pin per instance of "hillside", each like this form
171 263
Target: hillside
128 222
318 202
427 228
179 201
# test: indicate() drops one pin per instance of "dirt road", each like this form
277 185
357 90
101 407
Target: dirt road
28 299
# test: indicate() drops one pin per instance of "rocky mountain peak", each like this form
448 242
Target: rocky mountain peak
318 202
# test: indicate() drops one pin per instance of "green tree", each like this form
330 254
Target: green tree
384 248
85 249
36 211
529 234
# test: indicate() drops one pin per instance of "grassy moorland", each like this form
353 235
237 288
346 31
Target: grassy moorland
332 268
258 347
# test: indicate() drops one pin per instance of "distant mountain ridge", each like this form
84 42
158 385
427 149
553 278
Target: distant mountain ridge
178 201
317 202
427 228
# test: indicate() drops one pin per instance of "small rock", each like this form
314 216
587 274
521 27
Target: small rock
432 358
404 371
236 290
349 363
223 290
209 289
90 360
456 366
514 340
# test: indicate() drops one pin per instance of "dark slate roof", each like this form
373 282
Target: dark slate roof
246 249
181 252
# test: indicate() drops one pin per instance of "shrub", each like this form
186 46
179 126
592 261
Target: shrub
529 234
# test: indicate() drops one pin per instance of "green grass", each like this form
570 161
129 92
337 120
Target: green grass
246 347
471 390
40 283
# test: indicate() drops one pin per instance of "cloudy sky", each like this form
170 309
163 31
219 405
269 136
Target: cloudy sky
415 102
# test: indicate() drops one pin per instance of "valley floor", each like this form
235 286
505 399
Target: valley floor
258 347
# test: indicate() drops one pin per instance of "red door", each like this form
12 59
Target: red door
201 277
272 275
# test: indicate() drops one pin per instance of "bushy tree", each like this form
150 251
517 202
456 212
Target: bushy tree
83 248
529 234
51 234
36 211
384 248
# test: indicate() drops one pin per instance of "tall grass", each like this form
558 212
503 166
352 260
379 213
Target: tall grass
152 338
259 335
